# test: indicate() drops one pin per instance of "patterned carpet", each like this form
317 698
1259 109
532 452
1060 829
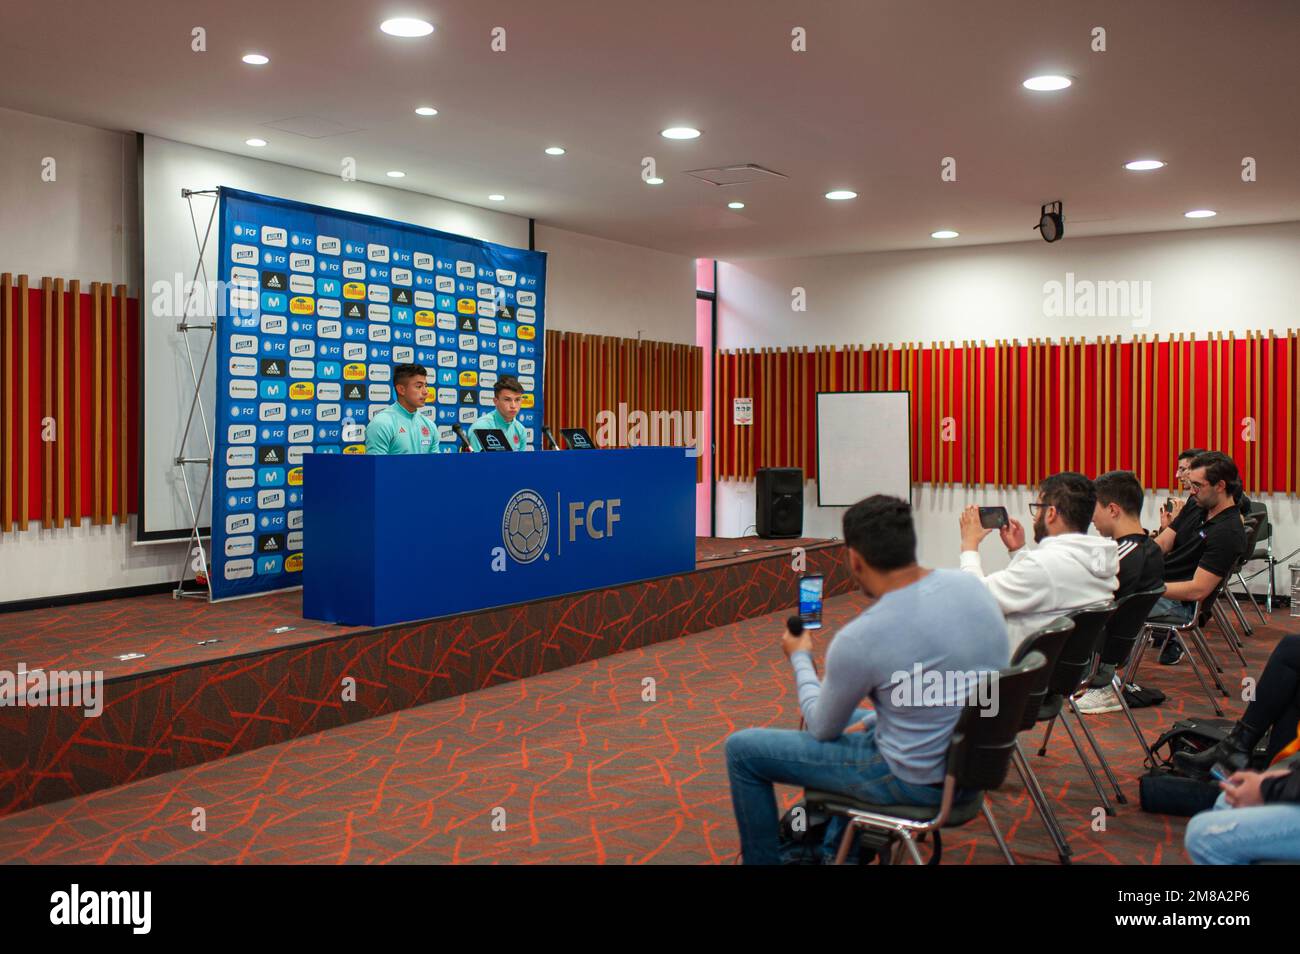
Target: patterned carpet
590 764
161 633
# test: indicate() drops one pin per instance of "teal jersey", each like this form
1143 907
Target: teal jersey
395 430
515 432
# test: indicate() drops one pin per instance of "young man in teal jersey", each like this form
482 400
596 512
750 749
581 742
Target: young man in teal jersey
507 395
400 428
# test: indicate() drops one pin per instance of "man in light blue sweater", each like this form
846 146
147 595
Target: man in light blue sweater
917 653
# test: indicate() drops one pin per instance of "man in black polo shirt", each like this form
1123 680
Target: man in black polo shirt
1168 517
1118 515
1202 543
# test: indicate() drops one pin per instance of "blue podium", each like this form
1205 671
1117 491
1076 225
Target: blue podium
393 539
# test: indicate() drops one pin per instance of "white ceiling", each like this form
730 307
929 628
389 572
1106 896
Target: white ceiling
886 90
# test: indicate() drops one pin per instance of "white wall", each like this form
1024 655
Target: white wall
596 286
1201 280
1233 279
84 225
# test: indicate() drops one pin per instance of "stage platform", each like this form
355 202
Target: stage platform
187 682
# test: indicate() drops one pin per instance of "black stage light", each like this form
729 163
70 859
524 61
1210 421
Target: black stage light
1051 222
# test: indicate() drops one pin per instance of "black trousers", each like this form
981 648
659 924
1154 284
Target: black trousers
1276 706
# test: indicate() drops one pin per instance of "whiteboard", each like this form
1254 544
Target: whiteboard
169 260
864 446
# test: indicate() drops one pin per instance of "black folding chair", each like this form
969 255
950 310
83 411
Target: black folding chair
978 756
1071 675
1048 642
1123 632
1185 635
1263 550
1253 527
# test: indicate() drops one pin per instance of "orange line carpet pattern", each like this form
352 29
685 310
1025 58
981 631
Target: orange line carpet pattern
618 761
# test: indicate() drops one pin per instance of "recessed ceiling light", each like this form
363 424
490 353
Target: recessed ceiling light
735 205
680 132
839 195
259 143
944 234
654 180
1048 83
396 174
406 26
497 197
425 111
256 59
1201 214
1144 165
555 150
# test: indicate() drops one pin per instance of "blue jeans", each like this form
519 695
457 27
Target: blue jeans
850 765
1238 836
1175 608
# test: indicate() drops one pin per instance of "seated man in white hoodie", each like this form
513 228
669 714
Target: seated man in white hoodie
1068 571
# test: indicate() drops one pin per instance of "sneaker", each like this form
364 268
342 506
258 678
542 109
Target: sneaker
1098 700
1172 654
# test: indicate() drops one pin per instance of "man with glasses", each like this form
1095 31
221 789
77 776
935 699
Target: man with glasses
1176 508
1070 569
1201 544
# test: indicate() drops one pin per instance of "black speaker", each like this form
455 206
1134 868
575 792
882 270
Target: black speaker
779 502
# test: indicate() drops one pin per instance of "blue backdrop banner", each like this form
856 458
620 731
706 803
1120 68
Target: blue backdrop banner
315 307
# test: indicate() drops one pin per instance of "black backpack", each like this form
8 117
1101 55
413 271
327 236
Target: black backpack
1164 790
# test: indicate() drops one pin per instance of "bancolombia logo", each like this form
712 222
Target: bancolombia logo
103 907
932 687
36 688
525 526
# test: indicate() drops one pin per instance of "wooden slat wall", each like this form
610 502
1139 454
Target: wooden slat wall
1024 411
68 384
587 374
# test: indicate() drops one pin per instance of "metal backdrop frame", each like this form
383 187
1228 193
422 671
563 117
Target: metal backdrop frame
195 557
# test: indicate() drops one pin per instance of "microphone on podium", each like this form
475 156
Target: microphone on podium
460 433
551 437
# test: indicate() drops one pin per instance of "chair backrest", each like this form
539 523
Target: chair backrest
1048 642
979 753
1125 626
1260 512
1254 527
1075 663
1206 606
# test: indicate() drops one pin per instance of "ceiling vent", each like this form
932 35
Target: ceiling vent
735 175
